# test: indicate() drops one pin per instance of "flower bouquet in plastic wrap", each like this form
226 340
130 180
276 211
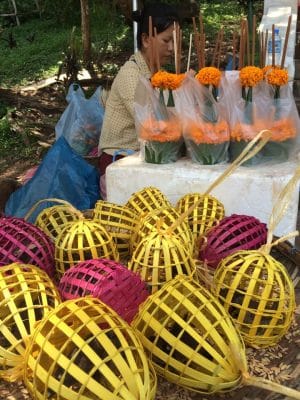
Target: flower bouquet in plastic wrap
205 129
283 118
157 123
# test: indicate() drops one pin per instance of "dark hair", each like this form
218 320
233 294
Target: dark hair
163 16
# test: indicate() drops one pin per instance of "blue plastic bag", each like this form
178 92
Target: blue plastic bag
63 174
81 121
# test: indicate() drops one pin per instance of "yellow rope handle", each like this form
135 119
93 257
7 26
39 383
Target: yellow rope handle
55 200
246 154
280 207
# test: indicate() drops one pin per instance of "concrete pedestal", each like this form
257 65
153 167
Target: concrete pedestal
249 190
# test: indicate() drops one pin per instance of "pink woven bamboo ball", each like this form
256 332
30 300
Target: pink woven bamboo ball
237 232
111 282
21 241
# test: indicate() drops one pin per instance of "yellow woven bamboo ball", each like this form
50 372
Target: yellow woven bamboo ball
119 221
83 350
80 241
190 337
147 199
159 257
162 218
27 294
207 214
53 219
259 295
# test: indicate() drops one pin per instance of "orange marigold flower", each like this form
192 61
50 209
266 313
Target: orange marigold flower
250 76
277 76
167 80
161 131
209 76
207 132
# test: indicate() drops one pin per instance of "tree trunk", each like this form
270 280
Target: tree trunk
86 30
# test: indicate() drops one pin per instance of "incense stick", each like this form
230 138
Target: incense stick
220 47
247 42
196 41
175 47
265 47
286 39
273 45
156 53
151 55
189 54
261 48
233 49
253 39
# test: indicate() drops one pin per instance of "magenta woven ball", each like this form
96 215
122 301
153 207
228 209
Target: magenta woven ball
237 232
109 281
23 242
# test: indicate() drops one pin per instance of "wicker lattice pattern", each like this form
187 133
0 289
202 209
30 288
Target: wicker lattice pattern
23 242
259 295
159 258
83 350
27 294
234 233
147 199
52 220
162 218
206 215
188 335
107 280
81 241
120 222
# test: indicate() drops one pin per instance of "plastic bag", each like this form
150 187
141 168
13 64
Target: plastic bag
63 174
205 128
247 119
81 121
158 126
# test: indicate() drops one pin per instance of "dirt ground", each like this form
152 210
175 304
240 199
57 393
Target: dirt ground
280 363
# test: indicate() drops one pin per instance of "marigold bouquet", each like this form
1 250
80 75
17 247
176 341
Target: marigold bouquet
283 118
157 123
206 132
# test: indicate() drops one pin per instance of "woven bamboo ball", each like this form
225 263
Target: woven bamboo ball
81 241
51 220
107 280
162 218
159 257
259 295
27 294
237 232
119 221
23 242
147 199
83 350
207 214
189 337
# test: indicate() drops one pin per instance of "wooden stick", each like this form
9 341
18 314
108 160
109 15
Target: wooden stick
189 54
242 45
233 50
286 39
215 53
265 47
151 53
248 42
196 41
253 39
220 47
156 53
273 45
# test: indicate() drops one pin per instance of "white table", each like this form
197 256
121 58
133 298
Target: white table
249 190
